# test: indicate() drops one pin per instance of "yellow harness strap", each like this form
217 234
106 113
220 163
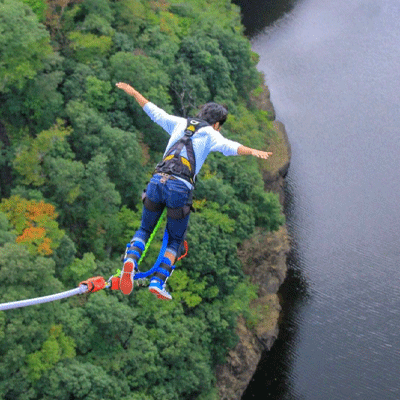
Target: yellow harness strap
183 159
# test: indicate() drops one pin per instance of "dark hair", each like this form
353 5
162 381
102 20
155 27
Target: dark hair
212 113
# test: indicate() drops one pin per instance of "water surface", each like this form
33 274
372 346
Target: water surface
333 72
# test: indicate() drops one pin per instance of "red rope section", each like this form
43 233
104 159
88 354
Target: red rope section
186 246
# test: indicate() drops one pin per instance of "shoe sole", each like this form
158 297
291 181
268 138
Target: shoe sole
159 294
126 282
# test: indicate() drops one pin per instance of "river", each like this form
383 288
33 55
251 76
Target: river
333 69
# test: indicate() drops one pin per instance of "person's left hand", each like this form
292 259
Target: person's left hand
126 88
261 154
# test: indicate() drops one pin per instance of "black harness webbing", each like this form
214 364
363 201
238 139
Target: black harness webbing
173 163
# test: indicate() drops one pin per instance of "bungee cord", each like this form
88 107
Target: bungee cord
97 283
45 299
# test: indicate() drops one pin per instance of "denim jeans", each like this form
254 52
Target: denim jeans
174 194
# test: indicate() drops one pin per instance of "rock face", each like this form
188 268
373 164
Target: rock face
274 178
264 261
234 376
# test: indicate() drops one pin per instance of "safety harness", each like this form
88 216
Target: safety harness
173 163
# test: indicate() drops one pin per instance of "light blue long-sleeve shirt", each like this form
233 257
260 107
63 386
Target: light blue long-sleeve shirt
206 140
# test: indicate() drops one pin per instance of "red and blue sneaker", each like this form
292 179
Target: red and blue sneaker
157 287
132 255
127 274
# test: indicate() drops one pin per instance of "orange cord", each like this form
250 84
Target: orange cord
185 244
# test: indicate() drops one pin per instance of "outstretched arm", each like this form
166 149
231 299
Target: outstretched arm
244 151
133 92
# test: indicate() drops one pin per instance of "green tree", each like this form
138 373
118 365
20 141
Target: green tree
88 46
31 155
38 7
79 270
98 93
215 258
160 41
99 209
22 50
242 61
179 346
81 381
43 102
74 85
188 89
98 17
112 327
186 289
55 348
125 163
206 60
249 188
144 72
35 106
23 331
64 184
130 16
5 227
87 123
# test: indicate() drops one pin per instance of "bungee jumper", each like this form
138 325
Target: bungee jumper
172 184
169 193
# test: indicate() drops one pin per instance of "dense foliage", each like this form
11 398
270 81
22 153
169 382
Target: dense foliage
74 155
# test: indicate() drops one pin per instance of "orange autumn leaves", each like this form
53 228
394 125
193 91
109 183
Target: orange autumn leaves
34 224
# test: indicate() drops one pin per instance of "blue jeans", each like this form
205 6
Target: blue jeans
174 194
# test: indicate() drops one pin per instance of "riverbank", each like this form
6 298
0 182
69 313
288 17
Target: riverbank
264 260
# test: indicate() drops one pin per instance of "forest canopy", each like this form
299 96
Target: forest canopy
75 154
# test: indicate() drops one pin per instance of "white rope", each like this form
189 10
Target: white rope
39 300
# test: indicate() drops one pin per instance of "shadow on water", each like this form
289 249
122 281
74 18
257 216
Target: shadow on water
257 14
273 375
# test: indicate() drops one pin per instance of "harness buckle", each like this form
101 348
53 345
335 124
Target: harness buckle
164 178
